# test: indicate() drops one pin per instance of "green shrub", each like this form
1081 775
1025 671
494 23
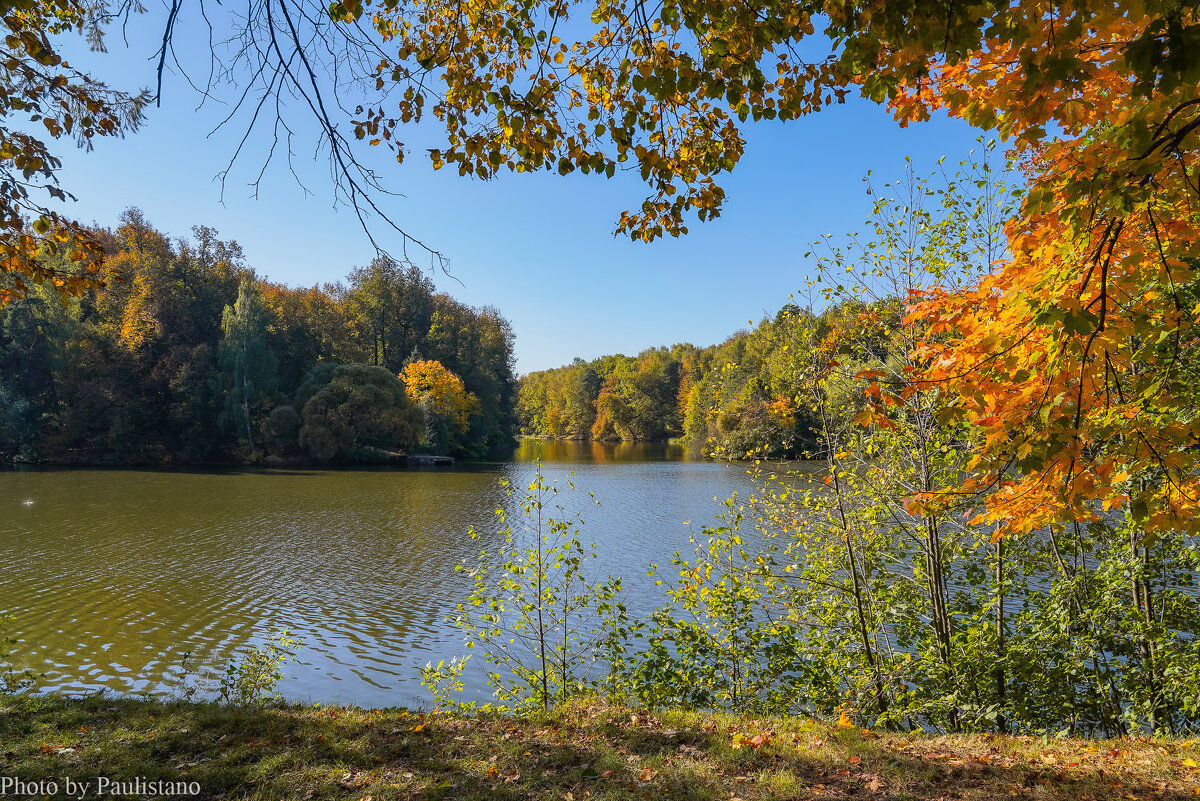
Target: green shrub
252 680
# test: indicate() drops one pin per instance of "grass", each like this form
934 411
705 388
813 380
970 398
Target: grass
587 751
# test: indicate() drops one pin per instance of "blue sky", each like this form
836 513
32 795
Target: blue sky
539 247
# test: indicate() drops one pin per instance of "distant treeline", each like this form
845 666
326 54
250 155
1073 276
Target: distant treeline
192 358
744 397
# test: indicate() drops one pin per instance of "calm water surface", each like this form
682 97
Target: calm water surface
114 575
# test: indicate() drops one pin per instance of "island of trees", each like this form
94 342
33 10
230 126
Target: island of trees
190 357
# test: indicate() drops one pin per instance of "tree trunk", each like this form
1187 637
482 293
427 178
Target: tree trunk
881 699
998 673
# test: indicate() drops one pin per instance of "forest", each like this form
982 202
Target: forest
186 356
736 399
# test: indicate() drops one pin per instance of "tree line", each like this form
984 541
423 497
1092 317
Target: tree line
191 357
735 399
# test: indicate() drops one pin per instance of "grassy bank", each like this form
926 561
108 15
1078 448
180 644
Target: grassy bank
592 751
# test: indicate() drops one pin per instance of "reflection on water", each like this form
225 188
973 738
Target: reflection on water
115 575
569 451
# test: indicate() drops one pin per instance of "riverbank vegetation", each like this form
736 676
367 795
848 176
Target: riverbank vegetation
822 598
582 750
190 357
877 586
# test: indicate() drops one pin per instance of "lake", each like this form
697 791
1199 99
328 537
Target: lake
114 576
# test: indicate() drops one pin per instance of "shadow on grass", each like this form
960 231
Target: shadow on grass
345 753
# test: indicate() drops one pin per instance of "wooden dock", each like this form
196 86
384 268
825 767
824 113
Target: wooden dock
428 459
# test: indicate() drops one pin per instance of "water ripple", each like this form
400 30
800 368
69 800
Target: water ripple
144 581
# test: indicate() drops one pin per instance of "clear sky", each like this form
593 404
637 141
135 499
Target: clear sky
539 247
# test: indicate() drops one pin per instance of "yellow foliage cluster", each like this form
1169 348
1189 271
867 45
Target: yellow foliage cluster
429 381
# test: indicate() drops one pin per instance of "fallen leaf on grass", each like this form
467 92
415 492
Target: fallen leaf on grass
754 743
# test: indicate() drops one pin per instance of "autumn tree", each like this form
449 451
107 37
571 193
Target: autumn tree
612 415
444 403
582 388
